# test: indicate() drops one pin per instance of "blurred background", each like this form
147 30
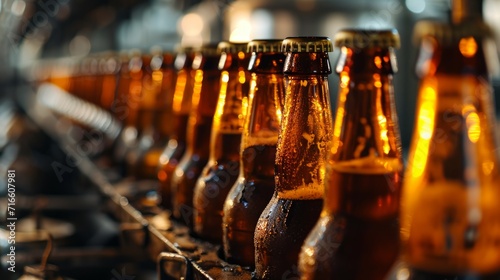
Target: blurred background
33 30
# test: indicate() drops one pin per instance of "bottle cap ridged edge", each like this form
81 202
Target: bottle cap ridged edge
366 38
307 44
232 47
270 45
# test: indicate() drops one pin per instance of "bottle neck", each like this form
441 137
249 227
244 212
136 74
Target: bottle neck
262 125
305 135
204 102
366 124
306 63
231 109
267 63
464 57
365 167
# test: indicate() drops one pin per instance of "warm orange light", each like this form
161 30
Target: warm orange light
382 120
488 167
377 83
222 97
339 119
244 108
162 175
425 129
473 126
157 76
241 77
344 79
198 79
225 77
467 46
378 62
179 91
241 55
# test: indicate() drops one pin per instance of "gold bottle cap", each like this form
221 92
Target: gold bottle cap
446 33
232 47
272 45
367 38
307 44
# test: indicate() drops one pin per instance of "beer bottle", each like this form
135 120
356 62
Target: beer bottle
164 116
144 112
255 185
205 96
451 195
301 156
357 235
181 106
223 166
156 111
126 104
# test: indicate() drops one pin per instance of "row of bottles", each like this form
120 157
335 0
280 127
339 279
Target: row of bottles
136 88
248 155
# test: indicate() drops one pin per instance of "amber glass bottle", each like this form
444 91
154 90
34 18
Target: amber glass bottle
451 195
126 104
205 96
356 236
156 111
163 118
181 107
255 185
223 167
300 159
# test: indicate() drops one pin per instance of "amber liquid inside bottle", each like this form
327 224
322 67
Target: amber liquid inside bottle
246 201
176 147
205 96
357 234
214 184
300 167
255 185
450 216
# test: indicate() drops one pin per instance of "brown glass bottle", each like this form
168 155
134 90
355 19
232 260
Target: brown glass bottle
300 159
205 96
156 109
254 186
223 166
126 105
181 107
357 235
451 195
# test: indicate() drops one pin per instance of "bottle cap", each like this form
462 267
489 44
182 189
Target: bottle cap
307 44
447 34
367 38
272 45
232 47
